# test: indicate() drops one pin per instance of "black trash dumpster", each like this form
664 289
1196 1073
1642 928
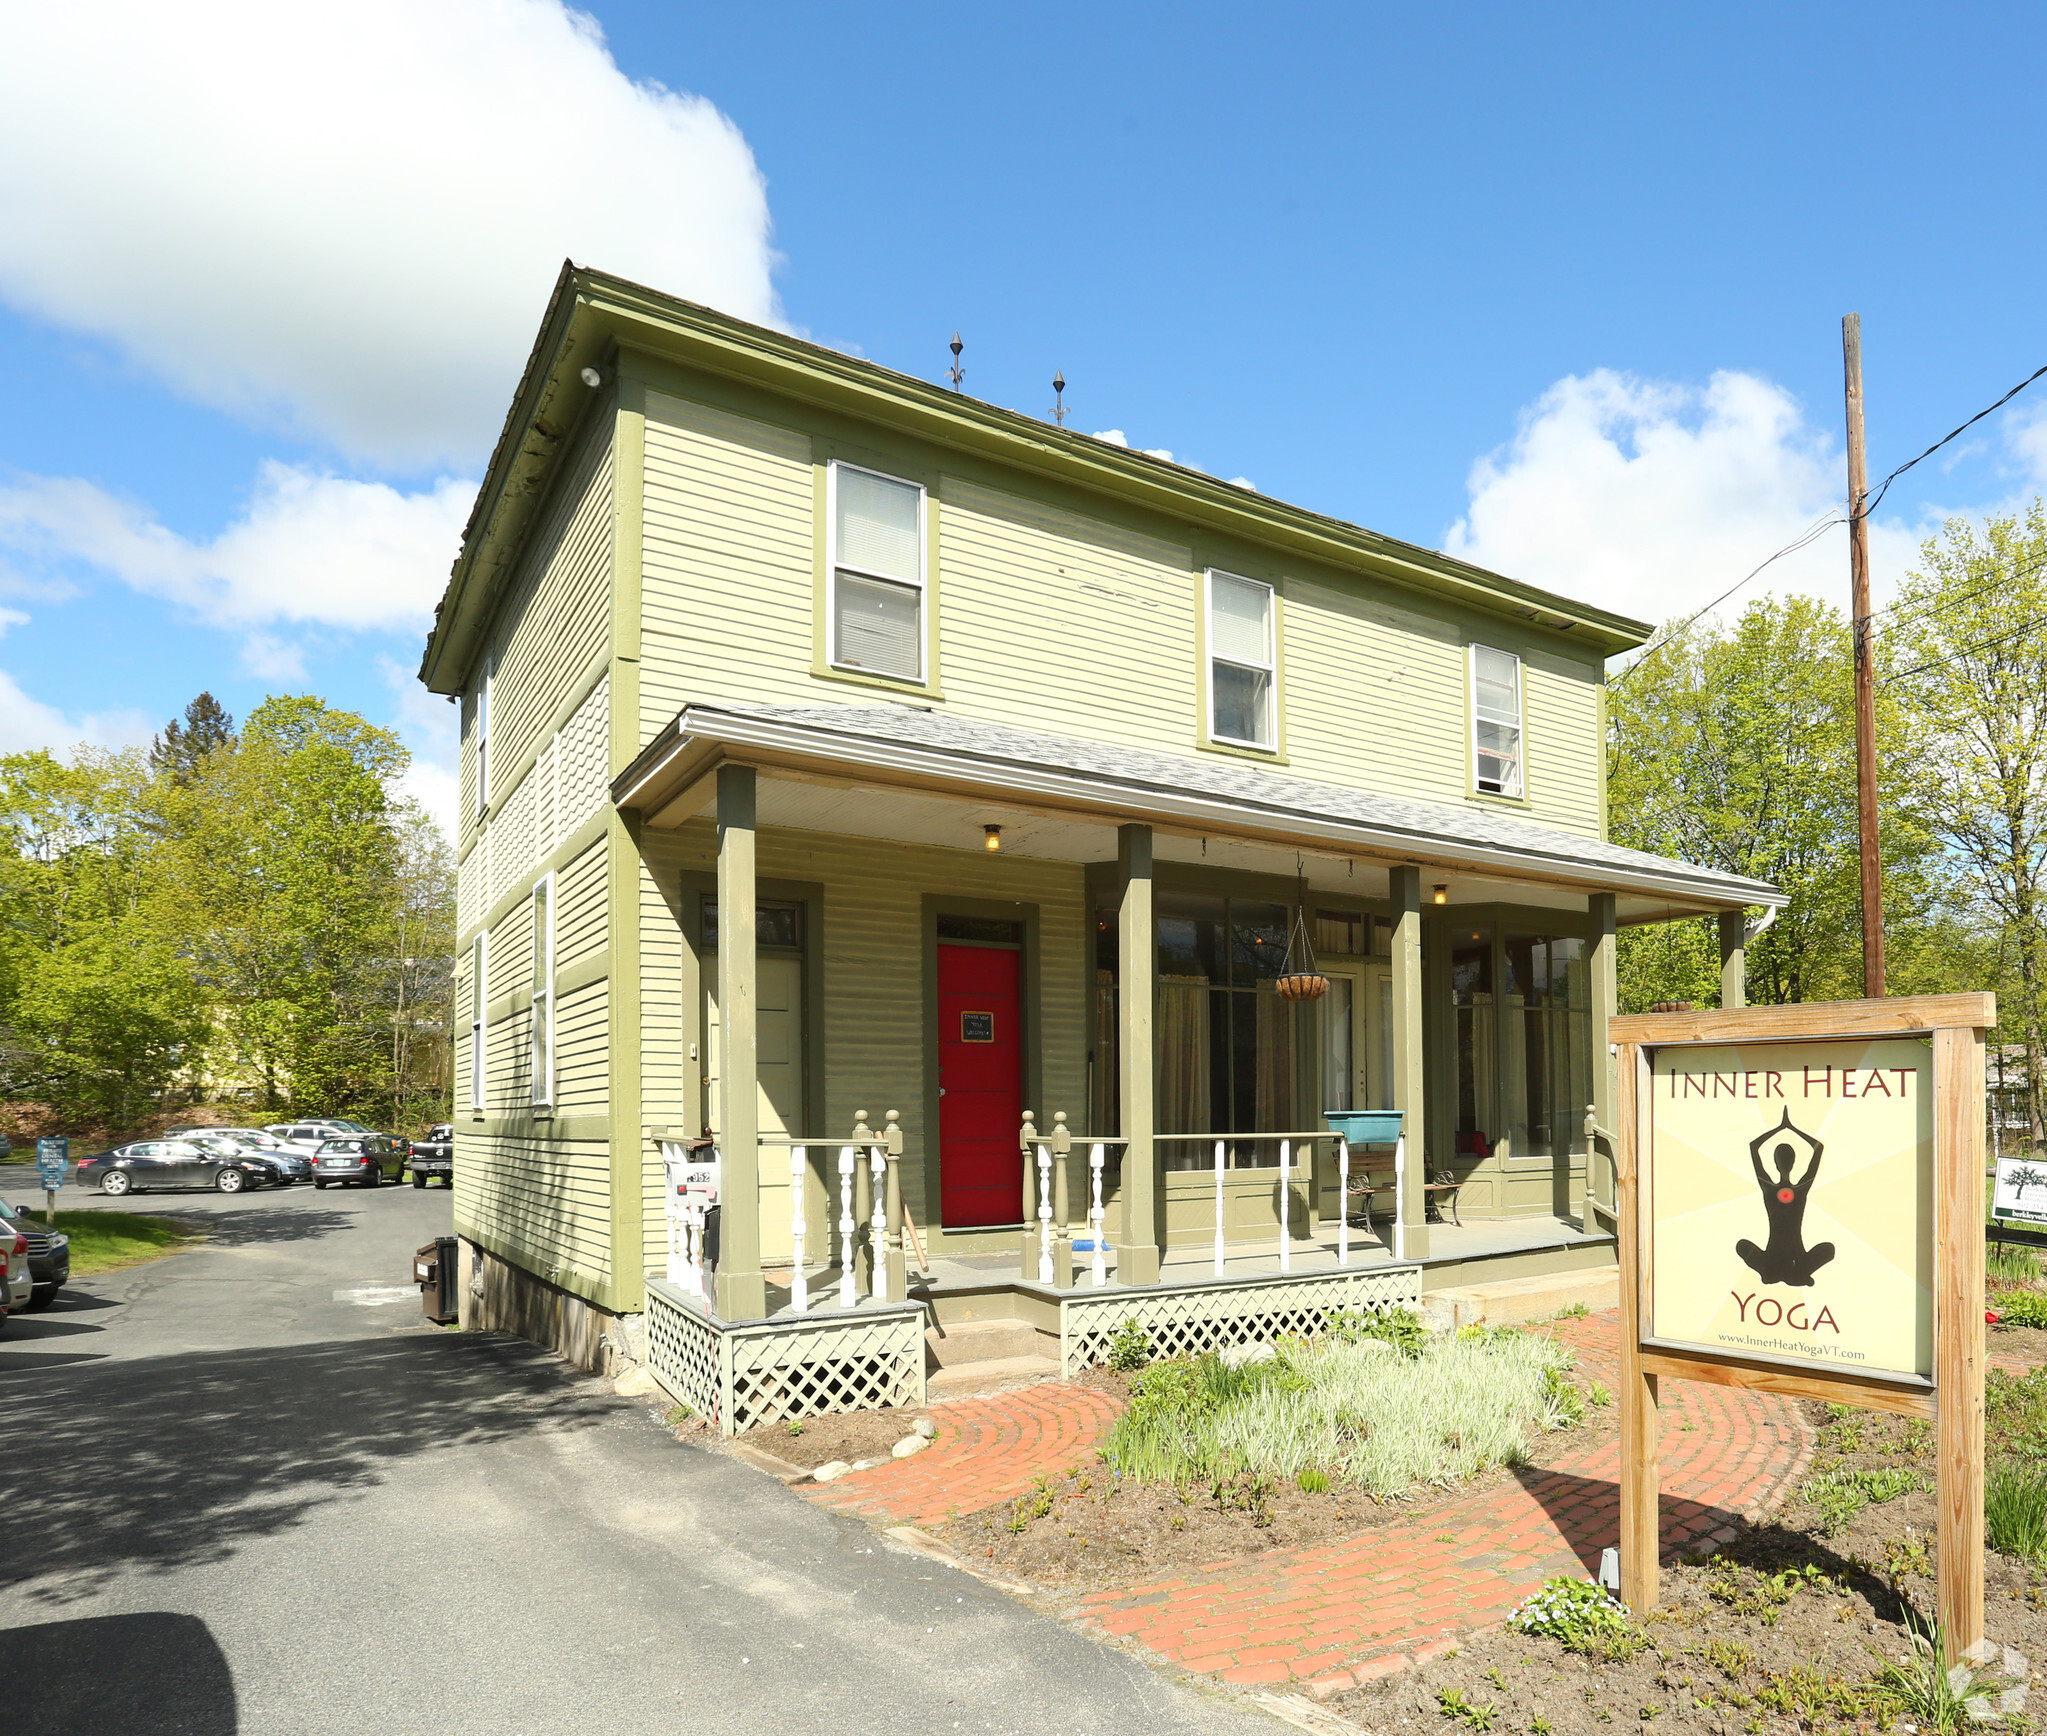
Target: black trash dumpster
433 1270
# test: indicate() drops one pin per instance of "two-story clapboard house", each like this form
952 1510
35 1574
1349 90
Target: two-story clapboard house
842 754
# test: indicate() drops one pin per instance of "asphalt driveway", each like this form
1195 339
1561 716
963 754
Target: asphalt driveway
250 1491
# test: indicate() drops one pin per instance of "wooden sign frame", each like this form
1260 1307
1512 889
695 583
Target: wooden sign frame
1957 1025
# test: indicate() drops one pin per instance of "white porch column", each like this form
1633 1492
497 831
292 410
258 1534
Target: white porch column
1137 1254
742 1291
1405 888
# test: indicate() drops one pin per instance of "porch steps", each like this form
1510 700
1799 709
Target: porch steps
1515 1301
971 1356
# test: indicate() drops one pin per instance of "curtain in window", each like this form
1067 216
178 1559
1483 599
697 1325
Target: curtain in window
1185 1080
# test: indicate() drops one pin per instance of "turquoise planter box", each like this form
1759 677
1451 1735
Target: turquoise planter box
1365 1126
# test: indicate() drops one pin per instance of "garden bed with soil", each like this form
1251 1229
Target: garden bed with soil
1793 1626
1092 1525
849 1437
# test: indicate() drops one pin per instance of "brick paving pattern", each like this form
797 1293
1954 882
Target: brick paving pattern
1328 1617
987 1450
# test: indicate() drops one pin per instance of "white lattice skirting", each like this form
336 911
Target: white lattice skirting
765 1371
1187 1319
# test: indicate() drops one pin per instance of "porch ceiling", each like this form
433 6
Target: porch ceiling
915 776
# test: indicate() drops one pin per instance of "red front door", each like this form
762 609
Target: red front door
980 1071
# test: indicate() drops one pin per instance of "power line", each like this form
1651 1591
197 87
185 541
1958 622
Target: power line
1940 606
1833 517
1882 486
1978 645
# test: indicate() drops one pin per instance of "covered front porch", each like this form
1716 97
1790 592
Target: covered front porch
965 1009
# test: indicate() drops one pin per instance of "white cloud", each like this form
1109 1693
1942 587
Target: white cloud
11 618
27 723
345 219
307 550
1116 437
1651 498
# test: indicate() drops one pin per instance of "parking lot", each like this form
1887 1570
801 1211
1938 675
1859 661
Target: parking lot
251 1492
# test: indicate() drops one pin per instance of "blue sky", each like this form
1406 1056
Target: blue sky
1556 288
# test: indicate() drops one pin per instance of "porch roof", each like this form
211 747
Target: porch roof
908 745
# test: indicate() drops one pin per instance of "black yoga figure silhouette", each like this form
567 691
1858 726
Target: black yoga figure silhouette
1786 1260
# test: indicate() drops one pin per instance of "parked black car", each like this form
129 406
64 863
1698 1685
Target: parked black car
434 1155
49 1252
359 1160
150 1164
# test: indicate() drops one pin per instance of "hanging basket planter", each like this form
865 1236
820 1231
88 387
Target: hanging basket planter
1299 980
1302 986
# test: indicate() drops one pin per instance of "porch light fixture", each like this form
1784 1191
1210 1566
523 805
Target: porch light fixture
1442 894
991 837
592 378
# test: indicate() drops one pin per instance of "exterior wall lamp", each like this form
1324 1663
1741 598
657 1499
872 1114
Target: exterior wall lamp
1442 895
991 837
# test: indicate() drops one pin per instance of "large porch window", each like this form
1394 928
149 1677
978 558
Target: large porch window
1523 1014
1226 1041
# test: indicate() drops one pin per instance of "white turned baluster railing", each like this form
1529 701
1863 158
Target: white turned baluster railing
1400 1196
1286 1196
799 1282
1044 1214
877 1224
1342 1201
848 1290
1220 1252
1097 1215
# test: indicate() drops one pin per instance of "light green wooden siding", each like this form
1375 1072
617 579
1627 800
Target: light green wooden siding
1052 621
580 1079
556 621
540 1201
667 1027
874 1044
579 925
727 559
1564 746
1375 694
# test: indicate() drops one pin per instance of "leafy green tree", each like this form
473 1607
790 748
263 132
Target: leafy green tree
1734 747
1965 655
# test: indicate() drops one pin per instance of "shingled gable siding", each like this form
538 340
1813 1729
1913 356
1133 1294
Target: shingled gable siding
874 1040
728 559
523 1185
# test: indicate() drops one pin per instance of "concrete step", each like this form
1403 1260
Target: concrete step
965 1379
1514 1301
981 1341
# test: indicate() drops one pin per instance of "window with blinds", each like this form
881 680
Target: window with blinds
1240 660
1496 721
877 568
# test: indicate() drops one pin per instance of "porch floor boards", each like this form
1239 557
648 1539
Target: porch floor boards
1449 1245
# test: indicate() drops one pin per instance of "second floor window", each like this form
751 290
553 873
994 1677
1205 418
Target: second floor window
1496 721
1240 660
876 606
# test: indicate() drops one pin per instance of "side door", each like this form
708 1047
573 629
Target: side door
145 1164
188 1164
980 1075
779 1070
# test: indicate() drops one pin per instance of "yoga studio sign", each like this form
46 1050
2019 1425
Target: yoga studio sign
1790 1203
1799 1208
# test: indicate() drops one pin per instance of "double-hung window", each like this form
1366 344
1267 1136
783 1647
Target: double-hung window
1496 721
478 1000
1240 660
543 991
483 738
875 611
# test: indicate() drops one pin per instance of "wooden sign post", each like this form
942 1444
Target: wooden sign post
1801 1212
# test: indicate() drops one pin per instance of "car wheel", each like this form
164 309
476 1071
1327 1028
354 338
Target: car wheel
418 1180
230 1181
115 1181
319 1186
41 1298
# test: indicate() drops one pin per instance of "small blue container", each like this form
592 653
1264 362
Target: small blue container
1365 1126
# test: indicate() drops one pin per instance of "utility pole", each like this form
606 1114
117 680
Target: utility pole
1865 689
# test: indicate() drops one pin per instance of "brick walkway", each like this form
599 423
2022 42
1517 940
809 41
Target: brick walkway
1330 1616
987 1450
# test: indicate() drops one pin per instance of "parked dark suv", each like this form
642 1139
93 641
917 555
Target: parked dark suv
434 1154
359 1159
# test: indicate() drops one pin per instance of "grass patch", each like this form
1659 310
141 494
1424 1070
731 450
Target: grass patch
2015 1510
107 1241
1840 1495
1362 1413
2011 1263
